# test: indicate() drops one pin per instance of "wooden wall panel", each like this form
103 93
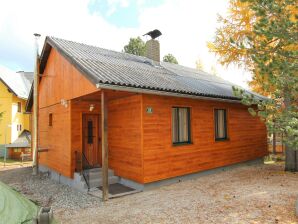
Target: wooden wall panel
124 137
55 138
247 138
61 80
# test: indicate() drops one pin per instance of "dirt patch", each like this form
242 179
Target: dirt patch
247 194
13 164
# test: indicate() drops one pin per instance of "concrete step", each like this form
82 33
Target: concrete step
99 171
98 181
95 176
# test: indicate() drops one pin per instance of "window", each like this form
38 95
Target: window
19 107
220 117
19 127
50 119
90 132
181 125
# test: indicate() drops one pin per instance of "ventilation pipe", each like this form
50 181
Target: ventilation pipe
35 108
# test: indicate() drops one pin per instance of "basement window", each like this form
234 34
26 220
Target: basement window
19 107
220 120
50 119
181 125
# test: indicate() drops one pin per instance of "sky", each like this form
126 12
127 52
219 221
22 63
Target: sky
186 26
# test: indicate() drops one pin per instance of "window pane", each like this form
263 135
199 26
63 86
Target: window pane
180 125
19 107
175 124
90 132
220 124
50 119
183 125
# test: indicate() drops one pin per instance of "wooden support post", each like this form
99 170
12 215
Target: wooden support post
104 148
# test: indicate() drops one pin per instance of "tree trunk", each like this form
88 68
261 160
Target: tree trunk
291 153
291 159
296 152
274 144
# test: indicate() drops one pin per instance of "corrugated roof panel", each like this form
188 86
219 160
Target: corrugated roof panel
122 69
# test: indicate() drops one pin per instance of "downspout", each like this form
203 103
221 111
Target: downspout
35 108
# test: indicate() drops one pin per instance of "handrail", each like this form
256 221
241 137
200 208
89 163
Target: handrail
86 161
84 172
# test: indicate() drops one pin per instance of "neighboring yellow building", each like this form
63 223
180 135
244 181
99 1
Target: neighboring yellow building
14 91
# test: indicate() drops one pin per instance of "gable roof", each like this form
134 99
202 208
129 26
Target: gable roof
18 83
23 141
110 69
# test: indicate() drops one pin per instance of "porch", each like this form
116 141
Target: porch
106 143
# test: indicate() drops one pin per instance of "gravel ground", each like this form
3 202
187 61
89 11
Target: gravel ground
246 194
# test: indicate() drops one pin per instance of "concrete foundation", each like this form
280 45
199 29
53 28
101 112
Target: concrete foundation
74 183
77 184
199 174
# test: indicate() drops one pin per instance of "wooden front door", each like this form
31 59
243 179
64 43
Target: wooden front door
91 140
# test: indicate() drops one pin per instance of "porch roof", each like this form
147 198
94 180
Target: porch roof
107 68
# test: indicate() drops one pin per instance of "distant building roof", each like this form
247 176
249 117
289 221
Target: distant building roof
23 141
18 83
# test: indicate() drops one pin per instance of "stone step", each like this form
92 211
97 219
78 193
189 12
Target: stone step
98 181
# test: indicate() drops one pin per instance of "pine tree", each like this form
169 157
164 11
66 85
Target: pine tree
262 35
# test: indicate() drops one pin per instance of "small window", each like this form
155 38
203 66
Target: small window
19 127
90 132
19 107
181 125
220 116
50 119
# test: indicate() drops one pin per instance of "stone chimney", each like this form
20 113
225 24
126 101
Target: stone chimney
153 50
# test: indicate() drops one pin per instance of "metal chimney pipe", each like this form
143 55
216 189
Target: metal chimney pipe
35 108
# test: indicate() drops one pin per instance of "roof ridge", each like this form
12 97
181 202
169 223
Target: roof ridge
101 48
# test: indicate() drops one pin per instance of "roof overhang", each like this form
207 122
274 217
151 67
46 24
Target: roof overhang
162 93
29 103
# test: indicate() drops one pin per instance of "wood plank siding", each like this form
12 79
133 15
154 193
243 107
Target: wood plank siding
247 138
60 80
124 137
56 139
